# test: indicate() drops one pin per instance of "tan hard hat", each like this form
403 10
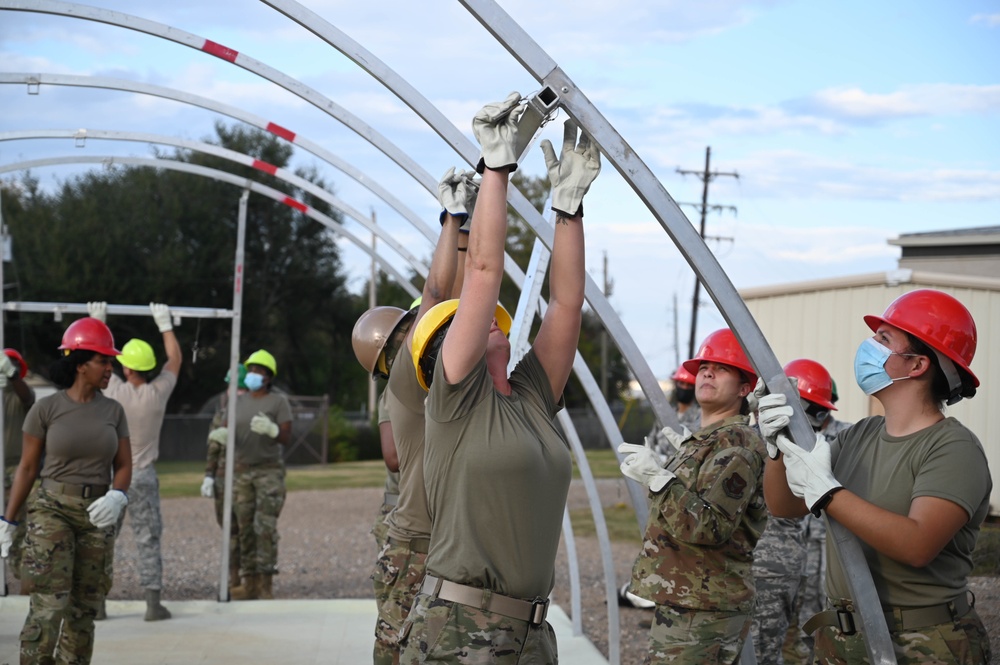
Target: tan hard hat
372 333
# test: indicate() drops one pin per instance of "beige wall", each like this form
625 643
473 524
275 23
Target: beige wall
826 325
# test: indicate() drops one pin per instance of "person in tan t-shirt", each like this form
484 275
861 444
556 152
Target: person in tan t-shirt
145 402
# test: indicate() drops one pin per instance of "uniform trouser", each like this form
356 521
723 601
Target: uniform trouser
811 598
679 635
147 525
14 556
219 492
774 612
258 496
66 558
398 574
962 642
442 631
383 654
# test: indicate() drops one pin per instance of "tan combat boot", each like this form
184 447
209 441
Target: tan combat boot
264 587
247 590
234 576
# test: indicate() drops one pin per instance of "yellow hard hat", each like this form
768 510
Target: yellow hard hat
427 328
137 355
264 359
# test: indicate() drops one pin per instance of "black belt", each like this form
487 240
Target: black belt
898 619
418 545
532 611
82 491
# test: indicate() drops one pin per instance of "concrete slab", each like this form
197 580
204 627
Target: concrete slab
293 632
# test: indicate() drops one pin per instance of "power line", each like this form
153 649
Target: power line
706 177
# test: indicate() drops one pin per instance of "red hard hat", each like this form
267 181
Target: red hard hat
815 383
91 335
683 376
936 319
16 357
721 347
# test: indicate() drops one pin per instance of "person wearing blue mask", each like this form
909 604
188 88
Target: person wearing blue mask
263 426
912 485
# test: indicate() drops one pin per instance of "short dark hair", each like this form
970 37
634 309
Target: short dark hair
63 371
940 389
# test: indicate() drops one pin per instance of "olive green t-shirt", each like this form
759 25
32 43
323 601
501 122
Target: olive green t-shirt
945 460
497 472
13 422
391 477
81 439
253 448
405 401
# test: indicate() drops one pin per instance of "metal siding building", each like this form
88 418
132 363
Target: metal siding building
823 320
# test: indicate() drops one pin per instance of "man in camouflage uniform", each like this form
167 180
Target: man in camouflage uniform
213 485
781 554
706 516
17 399
145 402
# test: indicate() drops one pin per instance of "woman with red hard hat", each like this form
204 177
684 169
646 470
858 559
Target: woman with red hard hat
83 438
913 485
706 515
17 399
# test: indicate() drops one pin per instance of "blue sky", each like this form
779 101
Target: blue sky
849 123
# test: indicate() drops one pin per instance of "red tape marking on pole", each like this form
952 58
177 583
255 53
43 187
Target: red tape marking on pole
219 51
265 167
298 205
278 130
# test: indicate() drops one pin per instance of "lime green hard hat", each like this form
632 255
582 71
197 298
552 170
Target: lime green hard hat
137 355
264 359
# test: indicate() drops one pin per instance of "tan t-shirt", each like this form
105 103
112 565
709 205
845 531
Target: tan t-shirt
253 448
13 422
405 400
145 405
497 473
80 439
945 460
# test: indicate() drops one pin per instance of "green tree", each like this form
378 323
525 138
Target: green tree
134 235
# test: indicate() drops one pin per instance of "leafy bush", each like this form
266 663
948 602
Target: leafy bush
986 556
351 440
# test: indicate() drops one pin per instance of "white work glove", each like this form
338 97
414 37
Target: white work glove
6 536
98 310
457 193
572 174
773 415
208 487
161 314
675 439
809 473
261 424
642 464
495 127
219 435
105 511
8 370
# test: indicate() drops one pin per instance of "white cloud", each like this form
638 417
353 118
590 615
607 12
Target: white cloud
991 20
930 99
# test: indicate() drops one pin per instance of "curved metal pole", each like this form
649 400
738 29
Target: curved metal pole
37 80
594 294
222 176
231 155
703 262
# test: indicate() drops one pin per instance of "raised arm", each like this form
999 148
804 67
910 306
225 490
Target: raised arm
465 343
571 176
161 315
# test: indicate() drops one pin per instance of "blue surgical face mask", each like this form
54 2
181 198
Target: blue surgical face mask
254 381
869 366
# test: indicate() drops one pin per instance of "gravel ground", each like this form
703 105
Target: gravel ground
326 551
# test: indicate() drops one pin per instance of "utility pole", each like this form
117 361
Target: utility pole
372 398
604 337
706 177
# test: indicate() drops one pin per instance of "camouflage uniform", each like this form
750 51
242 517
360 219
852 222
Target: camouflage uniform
383 652
216 468
398 575
258 497
778 563
697 552
14 556
66 559
14 412
147 525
